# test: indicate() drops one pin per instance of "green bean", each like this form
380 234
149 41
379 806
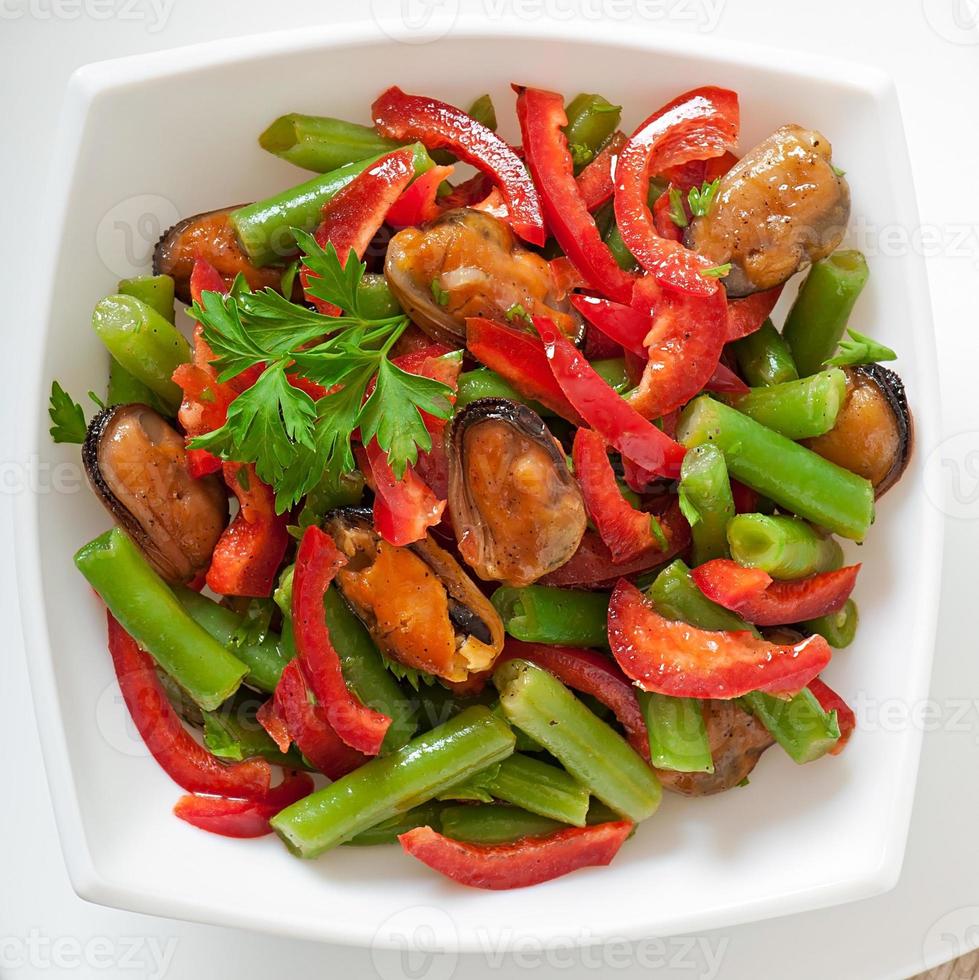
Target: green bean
705 493
785 547
544 614
148 346
149 612
154 291
265 228
264 660
764 357
494 823
375 298
332 492
542 789
794 477
799 725
388 831
594 753
483 111
838 629
796 409
389 785
591 121
677 733
820 312
485 383
124 389
613 372
675 596
322 144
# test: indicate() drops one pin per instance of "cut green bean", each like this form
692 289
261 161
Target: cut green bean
799 725
677 733
149 612
591 121
798 409
147 345
675 596
485 383
838 629
613 372
265 228
593 752
546 790
388 831
797 479
705 496
375 299
495 824
544 614
389 785
155 291
820 312
124 389
785 547
322 144
764 357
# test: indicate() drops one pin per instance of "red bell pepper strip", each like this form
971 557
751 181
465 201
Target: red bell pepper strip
724 381
829 700
242 818
753 595
746 315
625 325
745 499
249 552
628 532
566 276
618 423
698 124
317 563
182 758
438 125
418 203
596 182
663 221
590 673
680 660
468 193
520 358
528 861
542 118
696 173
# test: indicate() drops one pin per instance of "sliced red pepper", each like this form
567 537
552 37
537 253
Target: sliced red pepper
249 552
468 193
755 597
745 499
726 382
627 531
829 700
663 221
625 325
619 424
596 182
590 673
696 173
438 125
520 358
317 563
528 861
746 315
542 121
680 660
182 758
566 276
242 818
698 124
418 203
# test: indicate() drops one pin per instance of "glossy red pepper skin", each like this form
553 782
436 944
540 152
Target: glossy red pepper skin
696 173
524 862
317 563
746 315
623 324
627 531
596 182
754 596
468 193
724 381
680 660
611 416
418 203
663 221
699 124
542 118
182 758
249 552
829 700
438 125
590 673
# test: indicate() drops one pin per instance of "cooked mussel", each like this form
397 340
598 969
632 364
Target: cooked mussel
469 263
417 602
210 236
136 463
781 207
874 431
516 509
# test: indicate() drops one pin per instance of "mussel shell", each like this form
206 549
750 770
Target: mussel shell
522 544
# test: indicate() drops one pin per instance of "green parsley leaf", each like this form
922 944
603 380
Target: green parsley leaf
701 198
288 277
440 295
717 271
677 213
687 508
838 171
413 675
67 417
860 349
581 155
330 279
92 397
517 311
656 527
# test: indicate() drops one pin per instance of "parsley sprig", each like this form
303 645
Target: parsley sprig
860 349
699 200
292 438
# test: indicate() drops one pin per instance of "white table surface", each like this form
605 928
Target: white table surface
932 48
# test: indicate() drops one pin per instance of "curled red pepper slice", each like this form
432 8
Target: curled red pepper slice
680 660
698 124
753 595
746 315
596 182
439 125
418 202
623 324
317 563
542 118
618 423
829 700
726 382
528 861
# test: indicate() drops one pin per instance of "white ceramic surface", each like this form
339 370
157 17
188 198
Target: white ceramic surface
797 838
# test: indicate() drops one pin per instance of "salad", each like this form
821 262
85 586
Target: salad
486 501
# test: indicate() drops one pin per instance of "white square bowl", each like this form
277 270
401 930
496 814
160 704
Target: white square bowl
148 139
